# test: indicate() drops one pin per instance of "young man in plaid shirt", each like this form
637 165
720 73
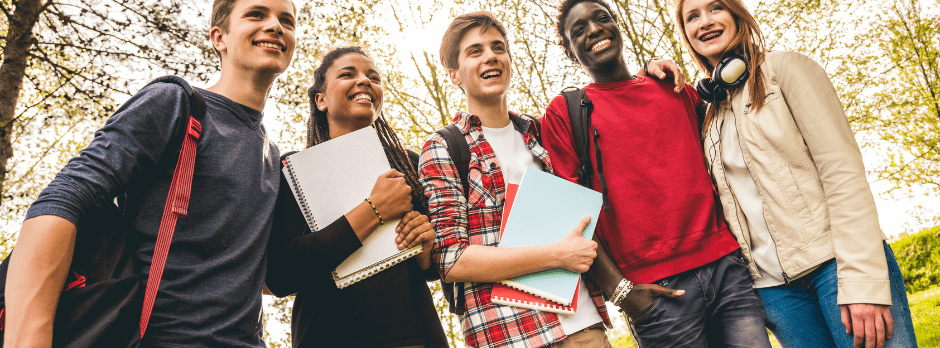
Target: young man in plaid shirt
476 53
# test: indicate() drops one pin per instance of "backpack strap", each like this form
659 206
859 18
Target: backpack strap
579 116
177 202
459 152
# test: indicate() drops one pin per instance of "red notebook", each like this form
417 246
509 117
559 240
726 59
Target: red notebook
505 295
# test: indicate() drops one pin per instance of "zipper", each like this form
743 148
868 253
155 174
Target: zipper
786 279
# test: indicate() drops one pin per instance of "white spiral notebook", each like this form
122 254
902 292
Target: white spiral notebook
330 179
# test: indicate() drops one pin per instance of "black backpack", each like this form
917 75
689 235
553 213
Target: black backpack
103 304
579 114
460 154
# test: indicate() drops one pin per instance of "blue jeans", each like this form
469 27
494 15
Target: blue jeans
719 309
805 312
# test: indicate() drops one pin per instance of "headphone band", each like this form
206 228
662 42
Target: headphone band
731 72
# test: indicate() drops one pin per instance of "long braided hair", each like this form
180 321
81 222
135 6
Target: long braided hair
318 129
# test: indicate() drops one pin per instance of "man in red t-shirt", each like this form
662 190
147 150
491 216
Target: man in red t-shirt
662 226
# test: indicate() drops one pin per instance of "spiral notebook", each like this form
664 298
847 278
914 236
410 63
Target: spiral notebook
545 209
330 179
505 295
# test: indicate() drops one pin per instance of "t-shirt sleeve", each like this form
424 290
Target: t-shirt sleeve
132 141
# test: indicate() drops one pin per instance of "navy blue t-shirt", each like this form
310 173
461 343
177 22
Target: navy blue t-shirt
210 293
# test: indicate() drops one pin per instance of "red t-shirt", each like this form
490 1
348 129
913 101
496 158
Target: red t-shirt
663 211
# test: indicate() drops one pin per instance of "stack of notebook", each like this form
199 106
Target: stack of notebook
541 210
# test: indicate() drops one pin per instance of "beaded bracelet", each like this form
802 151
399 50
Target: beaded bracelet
621 292
381 222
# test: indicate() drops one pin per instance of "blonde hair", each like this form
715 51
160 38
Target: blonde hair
749 42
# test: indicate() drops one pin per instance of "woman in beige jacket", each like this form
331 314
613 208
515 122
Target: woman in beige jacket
790 177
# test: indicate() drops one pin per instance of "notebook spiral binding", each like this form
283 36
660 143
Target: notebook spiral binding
342 282
301 201
533 291
554 308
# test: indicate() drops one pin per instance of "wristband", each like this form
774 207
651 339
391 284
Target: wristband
381 222
646 65
621 292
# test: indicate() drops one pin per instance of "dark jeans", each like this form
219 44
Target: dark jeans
719 309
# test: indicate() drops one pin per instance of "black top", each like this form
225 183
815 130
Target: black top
210 293
393 308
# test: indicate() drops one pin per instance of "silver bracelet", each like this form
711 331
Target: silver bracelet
621 292
647 64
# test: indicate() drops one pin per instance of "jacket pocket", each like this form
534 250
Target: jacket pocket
794 196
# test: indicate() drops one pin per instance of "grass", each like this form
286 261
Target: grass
925 308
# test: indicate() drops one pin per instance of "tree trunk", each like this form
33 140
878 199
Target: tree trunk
19 40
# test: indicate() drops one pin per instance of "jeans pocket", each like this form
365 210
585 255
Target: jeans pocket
646 311
737 258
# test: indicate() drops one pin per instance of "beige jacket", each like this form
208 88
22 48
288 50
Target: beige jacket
803 157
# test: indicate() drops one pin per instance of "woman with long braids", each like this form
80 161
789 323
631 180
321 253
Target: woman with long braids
792 183
392 308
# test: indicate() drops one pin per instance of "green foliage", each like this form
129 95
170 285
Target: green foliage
919 258
625 341
925 310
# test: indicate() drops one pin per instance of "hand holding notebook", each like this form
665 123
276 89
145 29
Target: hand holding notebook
334 177
505 295
545 210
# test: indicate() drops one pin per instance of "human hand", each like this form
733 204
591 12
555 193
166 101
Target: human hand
660 68
413 229
642 295
574 252
870 324
391 196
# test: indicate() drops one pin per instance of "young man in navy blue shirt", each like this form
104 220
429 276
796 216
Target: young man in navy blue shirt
210 294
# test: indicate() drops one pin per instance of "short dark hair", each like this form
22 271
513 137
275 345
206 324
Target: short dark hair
450 44
221 11
563 9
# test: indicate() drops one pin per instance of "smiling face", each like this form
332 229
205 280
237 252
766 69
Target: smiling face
353 92
483 65
259 36
709 27
593 37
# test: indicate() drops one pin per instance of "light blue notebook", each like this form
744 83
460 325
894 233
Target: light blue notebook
545 210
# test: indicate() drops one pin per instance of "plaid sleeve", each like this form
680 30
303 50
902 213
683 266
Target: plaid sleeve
447 207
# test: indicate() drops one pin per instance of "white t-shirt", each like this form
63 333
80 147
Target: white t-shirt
763 248
514 157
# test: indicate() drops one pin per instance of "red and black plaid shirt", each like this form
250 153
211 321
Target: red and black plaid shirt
475 220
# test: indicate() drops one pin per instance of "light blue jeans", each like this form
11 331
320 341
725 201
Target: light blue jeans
805 314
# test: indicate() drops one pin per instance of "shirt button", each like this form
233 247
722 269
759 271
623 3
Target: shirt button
492 165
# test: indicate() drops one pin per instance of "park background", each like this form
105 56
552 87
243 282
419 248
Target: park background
69 64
